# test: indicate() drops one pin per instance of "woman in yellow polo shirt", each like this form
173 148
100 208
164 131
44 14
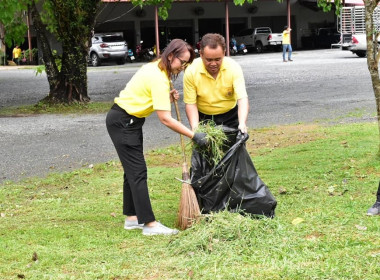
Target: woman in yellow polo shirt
147 91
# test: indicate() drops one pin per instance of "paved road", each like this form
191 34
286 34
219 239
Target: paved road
319 85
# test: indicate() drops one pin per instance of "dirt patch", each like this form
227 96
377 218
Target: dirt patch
260 140
282 136
17 116
165 160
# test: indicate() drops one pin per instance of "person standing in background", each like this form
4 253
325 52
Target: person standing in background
16 55
286 46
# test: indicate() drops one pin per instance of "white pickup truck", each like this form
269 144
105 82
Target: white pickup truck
353 29
259 38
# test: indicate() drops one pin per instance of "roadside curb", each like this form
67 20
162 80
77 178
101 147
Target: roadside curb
4 68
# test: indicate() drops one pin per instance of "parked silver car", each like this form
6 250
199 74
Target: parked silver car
107 47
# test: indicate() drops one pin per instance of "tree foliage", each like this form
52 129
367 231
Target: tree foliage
327 5
71 23
11 21
165 5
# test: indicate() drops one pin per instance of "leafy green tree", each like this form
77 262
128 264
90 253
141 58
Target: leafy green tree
11 21
71 22
373 54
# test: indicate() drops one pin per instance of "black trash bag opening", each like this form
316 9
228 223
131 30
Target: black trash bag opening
232 184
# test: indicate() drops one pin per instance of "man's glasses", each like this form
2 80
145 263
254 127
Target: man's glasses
184 63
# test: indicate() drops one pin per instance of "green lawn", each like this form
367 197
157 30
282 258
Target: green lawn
44 108
70 226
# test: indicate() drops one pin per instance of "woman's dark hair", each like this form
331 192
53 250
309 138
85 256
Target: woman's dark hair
213 40
285 27
176 47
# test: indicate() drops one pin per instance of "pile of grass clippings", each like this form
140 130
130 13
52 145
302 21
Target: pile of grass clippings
217 140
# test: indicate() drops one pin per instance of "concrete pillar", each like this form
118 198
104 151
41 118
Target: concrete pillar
138 31
249 22
196 29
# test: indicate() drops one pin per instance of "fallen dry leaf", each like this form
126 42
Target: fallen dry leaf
297 221
282 190
359 227
331 190
375 254
34 257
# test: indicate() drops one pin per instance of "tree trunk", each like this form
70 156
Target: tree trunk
2 37
373 56
75 20
47 55
72 86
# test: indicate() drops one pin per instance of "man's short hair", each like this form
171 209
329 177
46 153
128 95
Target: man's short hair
213 40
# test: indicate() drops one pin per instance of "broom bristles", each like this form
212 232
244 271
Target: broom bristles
189 211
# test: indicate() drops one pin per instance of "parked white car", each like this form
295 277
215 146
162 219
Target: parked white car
107 47
358 45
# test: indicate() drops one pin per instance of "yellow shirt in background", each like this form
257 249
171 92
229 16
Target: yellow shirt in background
286 38
147 91
214 96
16 52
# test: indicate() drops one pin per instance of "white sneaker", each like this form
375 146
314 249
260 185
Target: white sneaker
374 210
159 229
132 225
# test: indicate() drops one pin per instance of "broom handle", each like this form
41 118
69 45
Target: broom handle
181 136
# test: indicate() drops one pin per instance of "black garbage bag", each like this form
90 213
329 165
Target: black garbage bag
232 184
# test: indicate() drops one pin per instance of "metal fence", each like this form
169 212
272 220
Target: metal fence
352 20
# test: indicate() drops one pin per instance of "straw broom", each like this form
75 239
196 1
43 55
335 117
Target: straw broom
188 211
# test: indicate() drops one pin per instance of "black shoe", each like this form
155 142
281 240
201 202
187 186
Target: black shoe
290 60
374 210
285 60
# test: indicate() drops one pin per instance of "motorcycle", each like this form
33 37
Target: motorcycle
242 49
237 49
144 54
130 56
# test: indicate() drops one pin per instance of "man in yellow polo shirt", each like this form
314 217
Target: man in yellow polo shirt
214 87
